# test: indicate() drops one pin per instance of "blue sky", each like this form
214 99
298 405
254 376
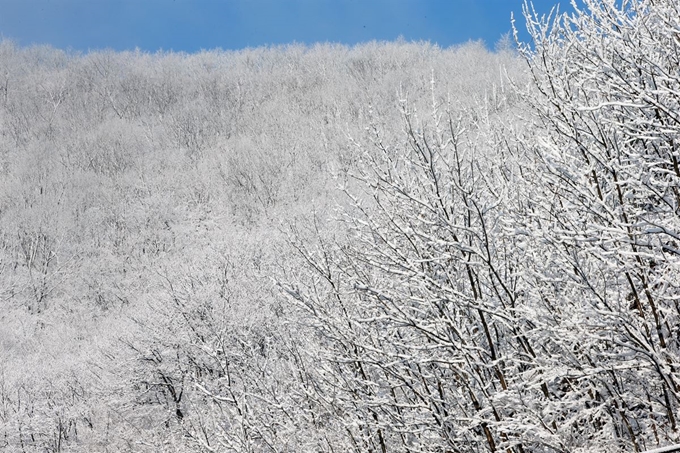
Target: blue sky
191 25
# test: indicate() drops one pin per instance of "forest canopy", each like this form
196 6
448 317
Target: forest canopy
391 247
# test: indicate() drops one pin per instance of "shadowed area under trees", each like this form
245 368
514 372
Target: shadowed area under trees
386 248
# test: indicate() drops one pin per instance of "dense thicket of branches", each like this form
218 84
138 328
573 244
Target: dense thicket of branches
391 247
141 203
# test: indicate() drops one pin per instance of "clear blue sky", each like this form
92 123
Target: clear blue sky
191 25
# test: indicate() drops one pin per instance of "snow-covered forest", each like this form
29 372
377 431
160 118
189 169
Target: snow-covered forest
392 247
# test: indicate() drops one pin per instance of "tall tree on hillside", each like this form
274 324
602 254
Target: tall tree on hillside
608 213
415 309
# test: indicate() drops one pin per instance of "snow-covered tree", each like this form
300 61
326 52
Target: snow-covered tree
415 308
606 214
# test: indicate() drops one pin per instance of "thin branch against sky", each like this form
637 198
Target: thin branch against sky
192 25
